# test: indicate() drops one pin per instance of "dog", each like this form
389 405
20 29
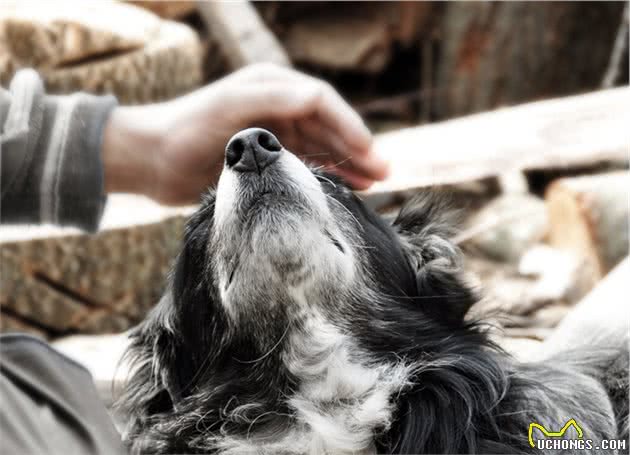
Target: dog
298 321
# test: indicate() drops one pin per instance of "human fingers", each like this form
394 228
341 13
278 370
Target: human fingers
354 180
318 97
336 114
342 154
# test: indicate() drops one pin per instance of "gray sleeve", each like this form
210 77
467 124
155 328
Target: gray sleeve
50 155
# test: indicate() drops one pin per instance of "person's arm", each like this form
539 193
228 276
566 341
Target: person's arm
60 155
50 155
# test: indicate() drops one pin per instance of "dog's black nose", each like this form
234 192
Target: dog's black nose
252 150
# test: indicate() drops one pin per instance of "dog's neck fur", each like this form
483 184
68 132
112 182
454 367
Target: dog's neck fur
318 391
341 401
340 404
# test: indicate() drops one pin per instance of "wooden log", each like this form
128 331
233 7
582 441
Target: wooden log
599 327
91 52
12 324
533 299
55 34
506 227
599 323
589 218
167 9
599 320
557 133
506 294
353 44
66 281
503 53
347 36
543 318
534 333
561 276
241 34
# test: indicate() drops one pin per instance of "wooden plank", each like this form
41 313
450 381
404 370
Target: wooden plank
241 34
557 133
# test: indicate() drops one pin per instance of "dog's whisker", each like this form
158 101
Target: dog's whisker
432 296
264 356
358 224
339 163
308 155
363 247
317 176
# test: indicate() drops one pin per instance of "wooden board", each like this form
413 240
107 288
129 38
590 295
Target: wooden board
557 133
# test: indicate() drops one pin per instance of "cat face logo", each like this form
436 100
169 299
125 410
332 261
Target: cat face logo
552 434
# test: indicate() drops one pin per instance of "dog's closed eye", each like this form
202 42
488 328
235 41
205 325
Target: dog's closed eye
232 272
334 241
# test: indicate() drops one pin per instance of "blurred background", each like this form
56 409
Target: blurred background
543 187
398 62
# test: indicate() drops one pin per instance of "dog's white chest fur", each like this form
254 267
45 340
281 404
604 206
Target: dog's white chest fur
342 402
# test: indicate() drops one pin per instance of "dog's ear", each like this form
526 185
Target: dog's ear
158 341
426 226
166 346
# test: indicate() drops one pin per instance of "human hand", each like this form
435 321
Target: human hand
172 151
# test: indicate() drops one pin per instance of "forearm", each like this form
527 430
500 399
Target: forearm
131 140
51 165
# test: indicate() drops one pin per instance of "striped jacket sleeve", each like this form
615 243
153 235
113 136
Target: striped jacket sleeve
50 164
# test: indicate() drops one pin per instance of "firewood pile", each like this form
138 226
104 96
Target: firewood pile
454 90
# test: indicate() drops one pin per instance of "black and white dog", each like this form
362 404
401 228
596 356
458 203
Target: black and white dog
298 321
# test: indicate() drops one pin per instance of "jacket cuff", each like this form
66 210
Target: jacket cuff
50 146
76 194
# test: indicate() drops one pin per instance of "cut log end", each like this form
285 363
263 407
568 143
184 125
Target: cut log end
589 218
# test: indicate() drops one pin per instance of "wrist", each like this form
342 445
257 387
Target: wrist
130 141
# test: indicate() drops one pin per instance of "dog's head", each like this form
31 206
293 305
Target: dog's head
293 313
280 242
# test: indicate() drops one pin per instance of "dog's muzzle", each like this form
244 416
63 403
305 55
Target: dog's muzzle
252 150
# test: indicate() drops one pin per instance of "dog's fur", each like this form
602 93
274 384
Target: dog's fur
298 321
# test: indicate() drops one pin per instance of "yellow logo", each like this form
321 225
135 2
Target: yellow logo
552 434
